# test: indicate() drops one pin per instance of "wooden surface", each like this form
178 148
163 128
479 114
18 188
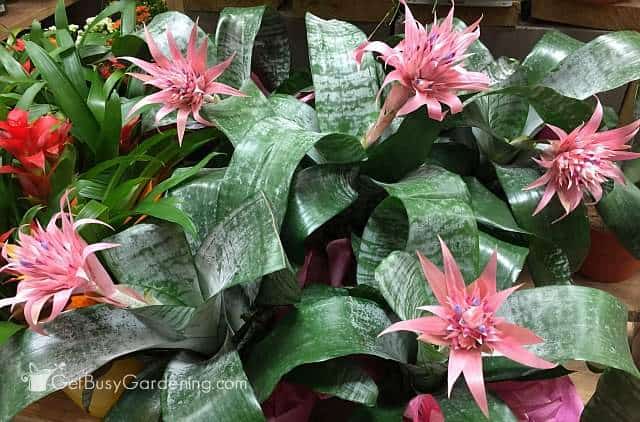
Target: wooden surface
617 16
377 9
23 12
176 5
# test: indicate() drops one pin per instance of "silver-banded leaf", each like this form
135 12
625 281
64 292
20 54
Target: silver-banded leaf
271 59
461 407
243 247
548 52
341 378
78 342
428 203
265 161
490 211
156 260
571 321
556 249
318 330
620 211
235 35
345 92
216 389
511 259
318 194
198 199
598 66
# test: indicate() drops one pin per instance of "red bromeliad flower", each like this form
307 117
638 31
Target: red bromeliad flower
185 83
37 147
579 162
427 68
53 263
465 321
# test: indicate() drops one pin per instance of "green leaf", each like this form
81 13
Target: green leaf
511 259
11 65
85 126
155 259
620 210
29 95
428 203
570 320
598 66
70 61
548 52
197 198
617 398
461 407
490 211
345 93
407 149
65 171
220 392
180 26
166 209
8 329
141 401
78 343
236 33
271 58
265 161
556 249
341 378
243 247
318 330
293 109
319 193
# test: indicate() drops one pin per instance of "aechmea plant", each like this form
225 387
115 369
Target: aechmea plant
185 83
428 70
579 162
53 263
465 321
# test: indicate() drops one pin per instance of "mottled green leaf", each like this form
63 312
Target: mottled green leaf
490 211
620 210
617 398
345 92
318 330
548 52
461 407
511 259
155 259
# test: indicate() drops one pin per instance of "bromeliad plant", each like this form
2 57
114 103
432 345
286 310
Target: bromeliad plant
280 249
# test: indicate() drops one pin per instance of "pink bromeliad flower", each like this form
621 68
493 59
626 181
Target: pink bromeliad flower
51 264
185 83
428 69
465 321
579 162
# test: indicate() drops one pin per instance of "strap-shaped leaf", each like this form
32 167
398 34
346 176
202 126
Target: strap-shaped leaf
428 203
7 329
557 249
545 56
78 343
220 390
490 211
461 407
180 26
318 330
271 59
243 247
598 66
155 259
511 258
345 93
620 211
319 193
570 320
339 378
198 199
617 398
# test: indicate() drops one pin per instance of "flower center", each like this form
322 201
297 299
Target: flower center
185 91
579 167
470 325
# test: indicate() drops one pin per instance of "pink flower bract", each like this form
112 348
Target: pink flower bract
423 408
554 399
427 67
52 263
185 83
465 321
579 162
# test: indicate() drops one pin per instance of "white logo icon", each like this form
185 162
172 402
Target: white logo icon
38 378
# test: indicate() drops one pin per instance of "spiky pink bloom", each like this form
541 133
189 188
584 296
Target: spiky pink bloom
465 321
428 68
185 83
51 264
579 162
